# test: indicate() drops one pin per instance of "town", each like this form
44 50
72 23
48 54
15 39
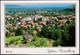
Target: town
40 27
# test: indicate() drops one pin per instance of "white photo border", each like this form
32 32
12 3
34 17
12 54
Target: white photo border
39 50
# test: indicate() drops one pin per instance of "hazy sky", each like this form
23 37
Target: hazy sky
41 5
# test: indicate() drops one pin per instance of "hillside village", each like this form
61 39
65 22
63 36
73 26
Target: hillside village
55 28
38 21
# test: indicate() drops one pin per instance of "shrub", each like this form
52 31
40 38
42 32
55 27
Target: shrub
18 32
57 42
38 42
14 40
19 42
68 37
9 41
51 33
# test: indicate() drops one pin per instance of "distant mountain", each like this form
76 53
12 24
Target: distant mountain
35 6
13 6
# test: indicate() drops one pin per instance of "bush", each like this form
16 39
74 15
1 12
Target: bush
51 33
68 37
57 42
14 40
18 32
19 42
38 42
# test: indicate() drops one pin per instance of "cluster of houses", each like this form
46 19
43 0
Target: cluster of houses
13 23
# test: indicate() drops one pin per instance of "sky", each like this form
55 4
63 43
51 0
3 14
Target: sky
39 5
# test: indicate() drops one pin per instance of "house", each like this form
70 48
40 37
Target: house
62 21
23 22
32 23
34 32
45 18
38 28
42 23
8 16
27 18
